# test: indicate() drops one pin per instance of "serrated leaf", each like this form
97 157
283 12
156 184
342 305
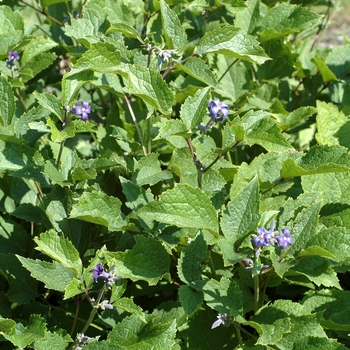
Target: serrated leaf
286 19
25 335
195 108
192 260
190 299
230 41
332 125
54 275
183 206
296 116
264 131
51 103
147 260
241 215
10 20
101 57
149 172
174 32
128 305
98 208
7 325
61 250
148 85
36 47
125 29
151 335
224 296
197 68
7 102
52 341
173 127
304 226
75 287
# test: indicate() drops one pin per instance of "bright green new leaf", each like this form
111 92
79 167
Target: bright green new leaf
129 306
54 275
195 108
98 208
192 260
61 250
60 135
241 215
183 206
230 41
7 325
148 260
125 29
327 74
7 102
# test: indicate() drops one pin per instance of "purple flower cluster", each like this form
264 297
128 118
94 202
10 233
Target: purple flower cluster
109 276
266 237
82 108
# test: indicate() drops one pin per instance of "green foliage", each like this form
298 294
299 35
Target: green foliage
154 158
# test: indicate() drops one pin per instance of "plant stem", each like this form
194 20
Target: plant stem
228 68
256 293
58 164
41 10
212 267
127 101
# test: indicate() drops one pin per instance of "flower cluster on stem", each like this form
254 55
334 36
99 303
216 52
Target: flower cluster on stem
12 59
82 108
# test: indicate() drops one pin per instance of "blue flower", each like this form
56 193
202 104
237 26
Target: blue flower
218 110
82 108
285 240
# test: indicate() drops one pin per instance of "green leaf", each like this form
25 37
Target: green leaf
183 206
332 125
190 299
23 288
174 31
286 19
149 172
264 131
248 19
10 20
54 275
51 103
7 325
128 305
197 68
195 108
296 116
61 250
319 160
7 102
133 333
192 260
230 41
60 135
98 208
125 29
327 74
25 335
101 57
36 47
148 85
147 260
241 215
304 226
224 296
52 341
173 127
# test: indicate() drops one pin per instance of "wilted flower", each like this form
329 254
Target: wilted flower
109 277
222 319
105 304
82 108
165 55
81 341
285 240
218 110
